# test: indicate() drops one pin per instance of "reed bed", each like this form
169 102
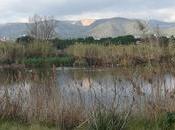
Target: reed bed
86 54
34 97
113 55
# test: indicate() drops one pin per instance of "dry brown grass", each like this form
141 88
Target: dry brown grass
122 54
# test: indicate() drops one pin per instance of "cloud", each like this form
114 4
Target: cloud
166 14
20 10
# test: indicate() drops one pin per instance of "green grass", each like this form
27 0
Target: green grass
14 125
105 120
49 61
163 122
101 121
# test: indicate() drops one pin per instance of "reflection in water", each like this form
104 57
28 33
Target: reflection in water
113 87
40 95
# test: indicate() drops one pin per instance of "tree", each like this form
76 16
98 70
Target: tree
24 39
41 27
142 27
172 39
163 41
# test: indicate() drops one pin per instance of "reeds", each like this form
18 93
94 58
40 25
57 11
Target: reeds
87 54
122 54
11 53
40 49
132 98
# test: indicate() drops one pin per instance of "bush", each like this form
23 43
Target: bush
25 39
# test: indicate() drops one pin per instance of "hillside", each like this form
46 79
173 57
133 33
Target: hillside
97 28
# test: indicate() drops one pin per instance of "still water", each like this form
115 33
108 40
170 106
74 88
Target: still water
144 88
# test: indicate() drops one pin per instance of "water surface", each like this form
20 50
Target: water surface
143 88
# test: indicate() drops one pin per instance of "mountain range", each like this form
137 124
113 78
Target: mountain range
101 28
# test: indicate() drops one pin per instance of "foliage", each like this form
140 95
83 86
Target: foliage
122 40
163 41
172 40
49 61
25 39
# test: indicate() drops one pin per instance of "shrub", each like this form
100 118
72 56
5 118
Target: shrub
25 39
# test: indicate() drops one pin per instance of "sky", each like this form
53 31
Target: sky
21 10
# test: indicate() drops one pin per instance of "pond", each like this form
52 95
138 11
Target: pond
42 93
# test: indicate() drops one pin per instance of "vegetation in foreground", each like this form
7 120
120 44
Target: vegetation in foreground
15 125
44 108
101 121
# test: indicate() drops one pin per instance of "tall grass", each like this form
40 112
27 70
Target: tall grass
121 54
37 100
11 52
33 54
40 49
105 120
90 54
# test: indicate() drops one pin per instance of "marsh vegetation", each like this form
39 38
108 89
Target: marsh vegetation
120 83
43 53
124 98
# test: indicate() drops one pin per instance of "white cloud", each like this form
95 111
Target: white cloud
168 14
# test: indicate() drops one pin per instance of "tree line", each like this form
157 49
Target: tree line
42 28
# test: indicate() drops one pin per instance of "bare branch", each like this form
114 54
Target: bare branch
42 27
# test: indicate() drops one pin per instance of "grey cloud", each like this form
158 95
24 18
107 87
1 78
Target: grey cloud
18 9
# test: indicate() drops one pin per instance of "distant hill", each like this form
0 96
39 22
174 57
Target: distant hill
101 28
